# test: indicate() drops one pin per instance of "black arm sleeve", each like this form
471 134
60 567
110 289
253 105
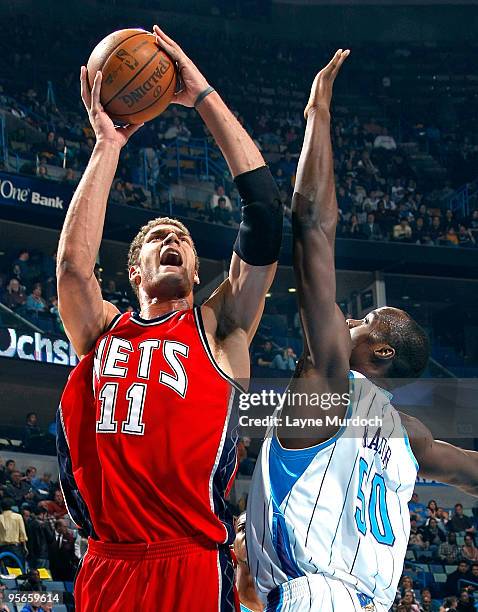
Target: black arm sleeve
260 233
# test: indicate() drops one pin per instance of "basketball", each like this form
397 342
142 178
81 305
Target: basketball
139 78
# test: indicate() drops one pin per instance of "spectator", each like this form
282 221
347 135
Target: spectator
285 360
31 429
436 230
402 232
416 541
42 172
408 600
221 214
352 230
220 193
62 552
40 536
10 467
465 603
69 177
469 550
33 582
35 302
117 194
3 605
461 573
81 544
385 141
44 487
417 508
460 522
465 237
426 603
18 489
134 195
55 507
432 509
449 552
22 268
14 294
13 536
371 230
449 604
433 536
420 234
246 465
267 355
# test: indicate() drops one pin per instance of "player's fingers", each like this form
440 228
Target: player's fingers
343 56
168 43
172 51
165 37
85 91
333 62
95 92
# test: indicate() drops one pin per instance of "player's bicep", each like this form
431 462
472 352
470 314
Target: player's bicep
84 313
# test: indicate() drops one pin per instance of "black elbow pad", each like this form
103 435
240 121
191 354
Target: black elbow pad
260 232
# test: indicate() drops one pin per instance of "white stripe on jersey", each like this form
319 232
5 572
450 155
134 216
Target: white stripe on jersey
338 508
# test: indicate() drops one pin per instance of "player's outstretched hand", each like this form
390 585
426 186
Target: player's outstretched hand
321 91
192 80
103 126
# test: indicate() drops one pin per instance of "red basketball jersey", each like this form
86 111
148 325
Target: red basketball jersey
147 433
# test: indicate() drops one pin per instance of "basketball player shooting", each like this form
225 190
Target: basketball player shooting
147 426
328 520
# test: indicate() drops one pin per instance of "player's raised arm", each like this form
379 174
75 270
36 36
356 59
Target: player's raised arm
314 220
240 299
441 461
82 310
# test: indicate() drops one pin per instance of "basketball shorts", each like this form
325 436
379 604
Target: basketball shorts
172 576
319 592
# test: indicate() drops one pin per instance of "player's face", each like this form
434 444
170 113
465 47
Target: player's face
240 541
167 263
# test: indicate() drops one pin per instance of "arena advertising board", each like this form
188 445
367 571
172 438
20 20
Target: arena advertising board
29 191
36 346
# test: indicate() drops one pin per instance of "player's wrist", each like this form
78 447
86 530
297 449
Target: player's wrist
106 142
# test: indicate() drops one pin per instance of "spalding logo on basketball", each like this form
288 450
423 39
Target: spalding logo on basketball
139 78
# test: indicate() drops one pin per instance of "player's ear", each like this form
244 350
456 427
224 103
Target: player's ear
135 275
383 352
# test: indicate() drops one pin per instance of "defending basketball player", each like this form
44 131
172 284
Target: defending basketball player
147 421
328 521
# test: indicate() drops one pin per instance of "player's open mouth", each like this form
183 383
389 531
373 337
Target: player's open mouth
171 257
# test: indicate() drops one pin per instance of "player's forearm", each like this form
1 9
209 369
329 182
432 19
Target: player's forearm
82 230
314 202
236 145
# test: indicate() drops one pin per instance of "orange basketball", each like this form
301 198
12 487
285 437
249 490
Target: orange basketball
139 78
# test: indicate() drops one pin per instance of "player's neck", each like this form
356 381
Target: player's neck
246 590
155 307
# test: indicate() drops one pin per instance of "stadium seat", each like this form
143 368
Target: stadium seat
10 583
60 608
69 587
437 568
410 555
54 585
439 577
450 568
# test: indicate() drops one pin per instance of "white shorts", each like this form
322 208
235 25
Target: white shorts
319 593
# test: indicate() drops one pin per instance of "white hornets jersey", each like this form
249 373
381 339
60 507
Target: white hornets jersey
335 513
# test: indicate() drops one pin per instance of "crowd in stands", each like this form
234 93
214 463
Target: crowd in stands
381 195
36 529
441 567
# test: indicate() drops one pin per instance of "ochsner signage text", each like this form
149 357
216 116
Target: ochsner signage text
36 347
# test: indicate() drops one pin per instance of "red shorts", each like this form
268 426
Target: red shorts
183 575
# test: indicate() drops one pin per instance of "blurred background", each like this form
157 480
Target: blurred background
405 137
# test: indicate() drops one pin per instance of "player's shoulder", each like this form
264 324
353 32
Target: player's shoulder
419 435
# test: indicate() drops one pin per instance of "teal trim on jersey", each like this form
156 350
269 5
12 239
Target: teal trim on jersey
409 448
286 466
244 609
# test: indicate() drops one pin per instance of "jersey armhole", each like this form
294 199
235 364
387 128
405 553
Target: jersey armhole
202 335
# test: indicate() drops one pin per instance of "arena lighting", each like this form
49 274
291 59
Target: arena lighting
268 295
37 347
292 289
